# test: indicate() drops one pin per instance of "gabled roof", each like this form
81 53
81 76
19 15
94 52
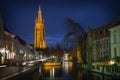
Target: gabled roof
102 31
109 25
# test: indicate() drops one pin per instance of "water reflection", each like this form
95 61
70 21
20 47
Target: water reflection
52 72
66 71
40 70
67 66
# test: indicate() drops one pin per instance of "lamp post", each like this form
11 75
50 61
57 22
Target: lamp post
112 63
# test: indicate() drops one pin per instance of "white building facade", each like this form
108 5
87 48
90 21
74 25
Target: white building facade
115 41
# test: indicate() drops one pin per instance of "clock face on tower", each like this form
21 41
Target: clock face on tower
39 33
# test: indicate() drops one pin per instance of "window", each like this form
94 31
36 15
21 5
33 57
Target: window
107 43
106 53
115 52
114 38
104 44
119 51
119 36
101 32
114 31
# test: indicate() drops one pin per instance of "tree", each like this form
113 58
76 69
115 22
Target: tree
74 38
90 55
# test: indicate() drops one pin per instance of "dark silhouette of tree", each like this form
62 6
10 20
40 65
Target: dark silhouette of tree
57 50
75 38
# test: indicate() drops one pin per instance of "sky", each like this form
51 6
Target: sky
19 16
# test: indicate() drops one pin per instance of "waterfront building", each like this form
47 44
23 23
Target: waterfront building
99 39
115 41
23 50
39 32
2 42
28 55
101 43
9 46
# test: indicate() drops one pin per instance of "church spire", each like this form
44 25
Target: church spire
39 33
39 15
39 8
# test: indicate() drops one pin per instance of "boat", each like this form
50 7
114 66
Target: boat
52 63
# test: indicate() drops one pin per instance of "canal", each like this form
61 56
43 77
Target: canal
66 71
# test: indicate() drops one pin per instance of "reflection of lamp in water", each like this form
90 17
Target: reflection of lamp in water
66 66
52 72
40 70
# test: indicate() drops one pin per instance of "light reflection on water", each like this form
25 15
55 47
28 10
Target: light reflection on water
51 72
66 71
67 66
58 72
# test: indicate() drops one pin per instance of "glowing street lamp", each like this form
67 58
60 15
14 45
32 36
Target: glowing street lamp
112 62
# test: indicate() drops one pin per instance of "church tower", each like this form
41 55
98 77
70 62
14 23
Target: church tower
39 32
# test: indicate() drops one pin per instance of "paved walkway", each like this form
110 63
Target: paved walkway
7 72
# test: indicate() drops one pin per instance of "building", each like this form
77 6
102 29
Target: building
2 42
9 46
39 32
29 53
14 49
115 41
6 44
23 50
99 39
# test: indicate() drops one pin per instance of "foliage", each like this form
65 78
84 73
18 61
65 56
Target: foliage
56 51
74 37
74 34
117 59
90 54
105 59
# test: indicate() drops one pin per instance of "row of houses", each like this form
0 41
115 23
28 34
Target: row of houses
13 48
104 41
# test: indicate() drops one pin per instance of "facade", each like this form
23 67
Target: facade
28 53
14 49
9 46
20 49
23 50
101 44
99 39
39 32
115 41
2 42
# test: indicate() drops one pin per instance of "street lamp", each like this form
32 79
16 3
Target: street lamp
112 62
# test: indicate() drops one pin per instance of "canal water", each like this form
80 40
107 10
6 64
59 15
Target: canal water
65 72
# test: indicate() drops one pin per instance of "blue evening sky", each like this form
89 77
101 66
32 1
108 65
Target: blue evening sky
19 16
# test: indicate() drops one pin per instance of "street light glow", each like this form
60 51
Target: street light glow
112 62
